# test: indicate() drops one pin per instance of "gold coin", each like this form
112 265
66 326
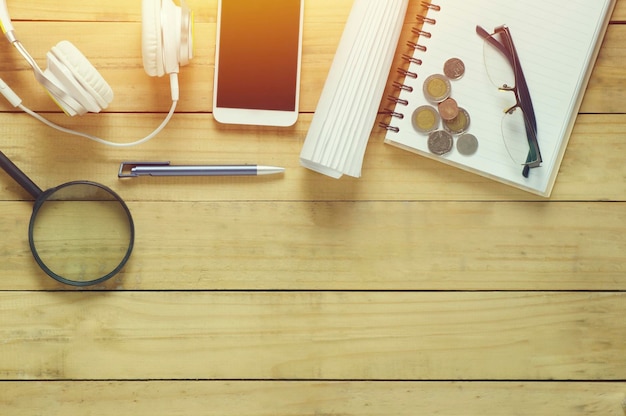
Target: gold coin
437 88
425 119
459 124
448 109
454 68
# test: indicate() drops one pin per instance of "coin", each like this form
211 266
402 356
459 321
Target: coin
437 88
459 124
440 142
425 119
467 144
448 109
454 68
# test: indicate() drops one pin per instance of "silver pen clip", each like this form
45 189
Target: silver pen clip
127 169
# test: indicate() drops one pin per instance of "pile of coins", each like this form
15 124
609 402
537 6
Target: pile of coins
426 119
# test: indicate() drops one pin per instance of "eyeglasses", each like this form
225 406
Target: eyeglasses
519 125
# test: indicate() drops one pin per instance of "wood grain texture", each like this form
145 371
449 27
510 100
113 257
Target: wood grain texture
337 246
416 289
594 168
115 49
313 335
253 398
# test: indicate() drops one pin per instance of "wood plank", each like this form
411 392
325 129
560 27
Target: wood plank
195 398
125 11
312 335
114 47
594 166
416 289
121 66
606 90
120 10
339 246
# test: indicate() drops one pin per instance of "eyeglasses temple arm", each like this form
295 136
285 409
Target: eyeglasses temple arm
493 42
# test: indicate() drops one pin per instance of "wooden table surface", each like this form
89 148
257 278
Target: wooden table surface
418 289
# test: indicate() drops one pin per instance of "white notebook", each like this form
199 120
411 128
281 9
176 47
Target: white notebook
557 43
347 109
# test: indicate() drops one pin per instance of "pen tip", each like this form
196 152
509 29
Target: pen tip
269 170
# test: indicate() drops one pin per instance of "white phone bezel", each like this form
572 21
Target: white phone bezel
255 116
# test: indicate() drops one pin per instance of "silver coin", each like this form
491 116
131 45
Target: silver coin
440 142
467 144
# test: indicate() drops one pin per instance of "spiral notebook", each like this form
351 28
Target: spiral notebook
556 42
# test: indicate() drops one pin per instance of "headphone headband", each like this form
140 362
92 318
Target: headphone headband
77 87
5 21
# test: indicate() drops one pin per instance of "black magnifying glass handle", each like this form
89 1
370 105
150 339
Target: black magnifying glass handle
85 233
20 177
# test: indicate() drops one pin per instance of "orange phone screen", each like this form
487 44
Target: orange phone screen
258 54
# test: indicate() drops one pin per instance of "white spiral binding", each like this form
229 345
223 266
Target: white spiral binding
422 20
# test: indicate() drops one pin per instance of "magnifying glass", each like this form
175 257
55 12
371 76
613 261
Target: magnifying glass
81 233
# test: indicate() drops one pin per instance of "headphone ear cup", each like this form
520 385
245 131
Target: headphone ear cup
170 26
85 74
166 37
151 38
185 46
62 97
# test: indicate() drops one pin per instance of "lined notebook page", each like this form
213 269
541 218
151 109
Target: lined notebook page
557 43
347 109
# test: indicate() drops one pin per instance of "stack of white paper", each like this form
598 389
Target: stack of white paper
347 109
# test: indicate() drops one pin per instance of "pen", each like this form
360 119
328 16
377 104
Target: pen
133 169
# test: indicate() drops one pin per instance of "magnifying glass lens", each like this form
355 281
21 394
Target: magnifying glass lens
81 233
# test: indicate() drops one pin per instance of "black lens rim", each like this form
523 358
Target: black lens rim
39 203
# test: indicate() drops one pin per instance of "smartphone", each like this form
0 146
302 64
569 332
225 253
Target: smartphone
257 62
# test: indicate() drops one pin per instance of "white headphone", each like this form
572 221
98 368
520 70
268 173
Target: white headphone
77 87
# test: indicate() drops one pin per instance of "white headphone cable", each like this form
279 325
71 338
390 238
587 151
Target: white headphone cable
17 102
98 139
